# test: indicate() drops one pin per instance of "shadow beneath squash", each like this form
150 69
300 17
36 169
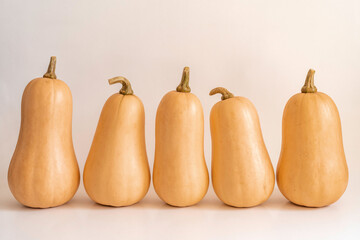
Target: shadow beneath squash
152 202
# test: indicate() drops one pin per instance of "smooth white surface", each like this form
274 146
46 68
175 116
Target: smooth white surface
257 49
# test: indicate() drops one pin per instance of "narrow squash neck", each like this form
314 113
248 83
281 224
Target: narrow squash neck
184 84
51 69
309 86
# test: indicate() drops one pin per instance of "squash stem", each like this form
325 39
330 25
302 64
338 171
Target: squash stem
223 91
126 86
51 69
309 86
184 84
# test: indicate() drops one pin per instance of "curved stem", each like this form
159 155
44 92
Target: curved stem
184 84
51 69
126 86
224 92
309 86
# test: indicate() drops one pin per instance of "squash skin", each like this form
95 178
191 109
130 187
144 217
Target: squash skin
180 175
312 169
43 171
242 172
117 172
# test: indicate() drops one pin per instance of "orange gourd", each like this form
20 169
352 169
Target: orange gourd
117 172
180 174
242 173
312 169
43 171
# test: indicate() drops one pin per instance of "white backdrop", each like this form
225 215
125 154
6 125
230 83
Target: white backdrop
258 49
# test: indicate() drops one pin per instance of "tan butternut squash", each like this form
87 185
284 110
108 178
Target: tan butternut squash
242 173
312 169
180 174
43 171
117 172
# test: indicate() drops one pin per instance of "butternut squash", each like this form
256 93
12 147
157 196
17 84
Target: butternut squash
43 171
117 172
312 169
242 173
180 175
